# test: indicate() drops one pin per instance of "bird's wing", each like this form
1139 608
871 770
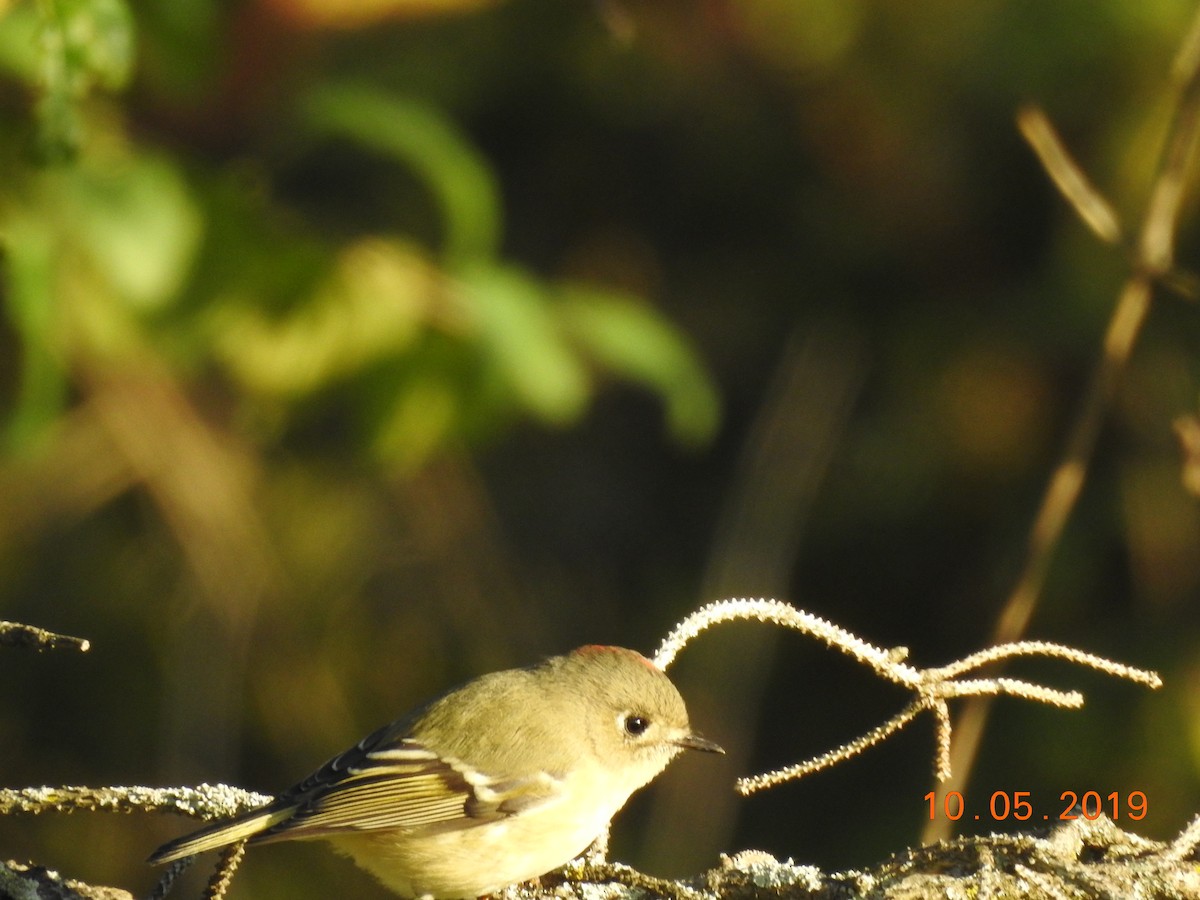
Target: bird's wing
387 781
395 782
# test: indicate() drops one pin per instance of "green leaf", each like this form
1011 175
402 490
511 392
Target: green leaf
630 338
424 140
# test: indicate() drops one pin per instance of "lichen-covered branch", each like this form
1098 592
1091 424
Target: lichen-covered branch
204 801
25 881
1083 859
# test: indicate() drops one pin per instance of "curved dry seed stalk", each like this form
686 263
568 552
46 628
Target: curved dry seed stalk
1013 687
749 784
231 858
1056 651
167 881
933 687
887 662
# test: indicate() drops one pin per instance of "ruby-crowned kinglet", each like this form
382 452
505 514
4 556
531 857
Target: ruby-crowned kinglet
498 781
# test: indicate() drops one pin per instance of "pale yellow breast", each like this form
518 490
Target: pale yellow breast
469 862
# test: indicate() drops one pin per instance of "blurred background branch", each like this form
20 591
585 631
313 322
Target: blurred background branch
1154 258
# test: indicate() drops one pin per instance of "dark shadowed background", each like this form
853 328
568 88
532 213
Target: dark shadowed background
352 349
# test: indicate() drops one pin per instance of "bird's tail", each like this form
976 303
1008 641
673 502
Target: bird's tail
221 834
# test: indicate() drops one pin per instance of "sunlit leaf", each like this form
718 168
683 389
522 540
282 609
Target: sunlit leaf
524 346
136 220
378 300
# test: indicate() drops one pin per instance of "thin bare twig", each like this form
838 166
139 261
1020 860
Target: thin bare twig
1094 208
14 634
1153 262
1187 428
1070 179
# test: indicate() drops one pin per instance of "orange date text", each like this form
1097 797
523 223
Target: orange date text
1003 805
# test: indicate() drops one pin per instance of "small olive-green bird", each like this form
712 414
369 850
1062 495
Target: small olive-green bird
498 781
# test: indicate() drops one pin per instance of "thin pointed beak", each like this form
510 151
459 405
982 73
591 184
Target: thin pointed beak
695 742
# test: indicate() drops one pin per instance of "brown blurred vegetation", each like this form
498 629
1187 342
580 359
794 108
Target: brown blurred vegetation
351 349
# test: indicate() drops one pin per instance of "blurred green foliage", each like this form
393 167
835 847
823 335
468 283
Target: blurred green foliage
349 349
125 248
81 46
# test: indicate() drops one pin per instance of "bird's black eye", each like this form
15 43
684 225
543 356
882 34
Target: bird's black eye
636 725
